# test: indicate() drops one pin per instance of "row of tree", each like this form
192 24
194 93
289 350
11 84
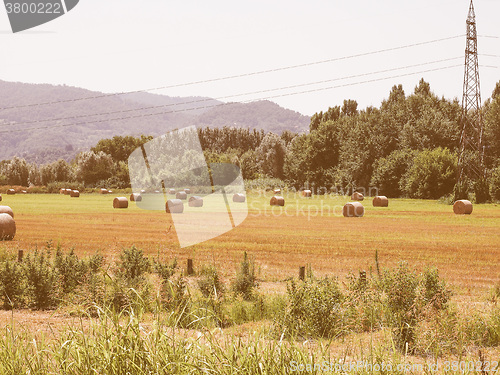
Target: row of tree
407 147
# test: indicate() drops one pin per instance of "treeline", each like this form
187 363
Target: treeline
408 147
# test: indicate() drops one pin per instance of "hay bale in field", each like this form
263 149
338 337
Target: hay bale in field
103 191
187 191
307 193
195 201
134 197
462 207
277 191
239 198
171 191
68 191
157 192
380 201
7 227
24 192
120 202
174 206
11 192
74 194
62 191
110 191
277 201
353 209
357 196
181 195
143 191
6 210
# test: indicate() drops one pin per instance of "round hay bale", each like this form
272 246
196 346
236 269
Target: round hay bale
103 191
74 194
143 191
307 193
353 209
157 192
11 192
195 201
357 196
171 191
380 201
67 192
24 192
187 191
277 201
462 207
277 191
239 198
120 202
7 227
134 197
6 210
174 206
62 191
181 195
110 191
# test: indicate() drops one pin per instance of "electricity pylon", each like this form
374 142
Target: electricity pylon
471 171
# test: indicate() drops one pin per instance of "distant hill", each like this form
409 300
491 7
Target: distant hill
42 122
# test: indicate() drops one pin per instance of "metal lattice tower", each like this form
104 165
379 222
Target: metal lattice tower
471 158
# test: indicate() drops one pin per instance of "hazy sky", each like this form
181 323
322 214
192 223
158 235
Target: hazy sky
124 45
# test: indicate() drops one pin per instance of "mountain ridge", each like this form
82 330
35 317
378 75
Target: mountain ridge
42 122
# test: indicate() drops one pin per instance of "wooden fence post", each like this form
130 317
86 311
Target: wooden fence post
302 273
190 270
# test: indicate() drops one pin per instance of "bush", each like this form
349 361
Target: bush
210 284
315 308
400 286
165 271
245 281
133 265
12 283
43 286
432 174
71 270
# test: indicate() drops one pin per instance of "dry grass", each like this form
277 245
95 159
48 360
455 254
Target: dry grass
466 249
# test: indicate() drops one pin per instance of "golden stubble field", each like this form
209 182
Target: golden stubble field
465 249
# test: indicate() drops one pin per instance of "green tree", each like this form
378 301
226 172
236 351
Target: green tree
432 174
388 172
92 167
120 147
271 155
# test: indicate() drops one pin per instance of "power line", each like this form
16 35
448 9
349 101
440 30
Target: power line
239 75
228 96
223 104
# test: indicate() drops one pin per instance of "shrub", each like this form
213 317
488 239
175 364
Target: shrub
210 284
71 270
435 292
12 283
43 286
315 308
400 286
133 265
245 281
164 270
